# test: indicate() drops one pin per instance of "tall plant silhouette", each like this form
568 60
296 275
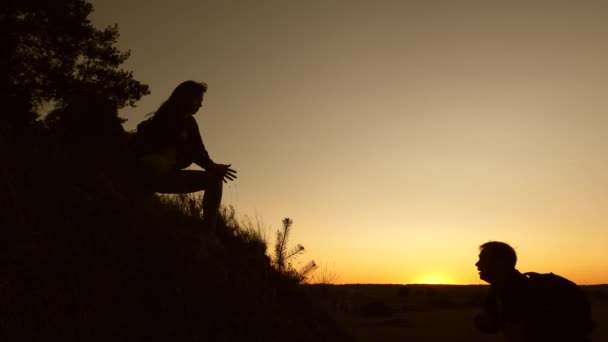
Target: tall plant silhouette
283 256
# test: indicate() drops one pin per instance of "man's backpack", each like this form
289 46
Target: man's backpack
559 304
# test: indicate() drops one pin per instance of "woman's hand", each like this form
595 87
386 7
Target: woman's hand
223 171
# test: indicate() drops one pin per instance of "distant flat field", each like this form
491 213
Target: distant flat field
424 312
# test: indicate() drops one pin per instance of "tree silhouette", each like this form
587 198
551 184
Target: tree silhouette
52 53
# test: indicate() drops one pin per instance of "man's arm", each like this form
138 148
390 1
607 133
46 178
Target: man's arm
487 320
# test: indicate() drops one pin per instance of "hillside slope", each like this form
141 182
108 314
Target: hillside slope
84 258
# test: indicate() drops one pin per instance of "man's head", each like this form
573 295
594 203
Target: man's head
496 261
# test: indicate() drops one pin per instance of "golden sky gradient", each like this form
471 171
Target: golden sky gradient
398 135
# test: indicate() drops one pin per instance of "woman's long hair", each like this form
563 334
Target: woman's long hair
179 100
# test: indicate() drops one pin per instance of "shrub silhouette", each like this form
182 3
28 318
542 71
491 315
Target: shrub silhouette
282 257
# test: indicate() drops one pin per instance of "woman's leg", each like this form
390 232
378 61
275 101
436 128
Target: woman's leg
211 202
186 181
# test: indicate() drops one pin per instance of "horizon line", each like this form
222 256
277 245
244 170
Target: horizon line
431 284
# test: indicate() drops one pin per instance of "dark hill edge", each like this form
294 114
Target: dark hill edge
84 258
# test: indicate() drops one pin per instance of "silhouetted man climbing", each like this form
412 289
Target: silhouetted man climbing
530 306
170 141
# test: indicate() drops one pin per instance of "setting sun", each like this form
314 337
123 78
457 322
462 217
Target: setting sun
433 279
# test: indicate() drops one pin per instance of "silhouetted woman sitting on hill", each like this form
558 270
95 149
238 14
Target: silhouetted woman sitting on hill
170 141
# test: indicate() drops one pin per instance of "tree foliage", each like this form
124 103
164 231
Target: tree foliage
52 53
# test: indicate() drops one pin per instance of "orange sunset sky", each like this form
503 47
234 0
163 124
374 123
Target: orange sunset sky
398 135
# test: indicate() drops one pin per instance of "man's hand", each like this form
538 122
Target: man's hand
223 171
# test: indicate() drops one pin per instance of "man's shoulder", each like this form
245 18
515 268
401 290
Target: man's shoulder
542 283
517 283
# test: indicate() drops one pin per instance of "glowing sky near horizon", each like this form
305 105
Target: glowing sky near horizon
398 135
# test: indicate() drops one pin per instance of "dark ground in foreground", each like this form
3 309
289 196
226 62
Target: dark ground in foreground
425 312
